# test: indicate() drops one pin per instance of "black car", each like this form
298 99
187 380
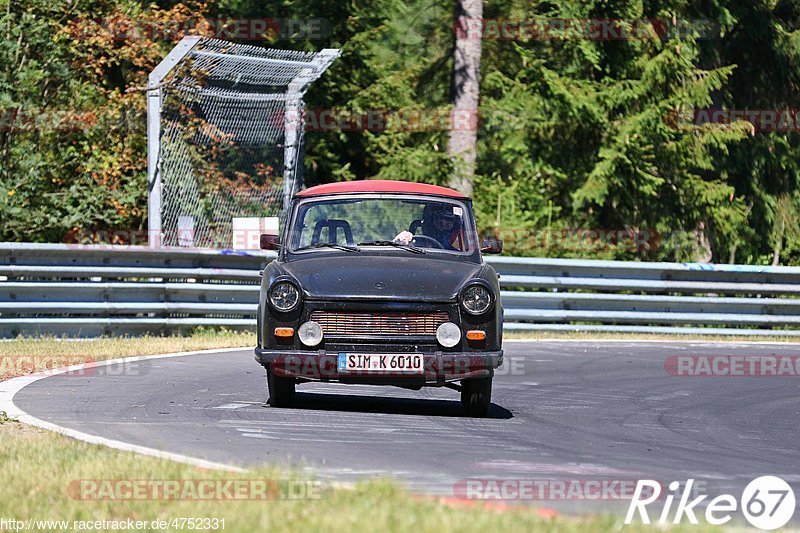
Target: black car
381 282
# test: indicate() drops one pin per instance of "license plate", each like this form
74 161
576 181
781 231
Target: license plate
372 363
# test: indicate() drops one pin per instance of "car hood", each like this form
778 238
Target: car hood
391 277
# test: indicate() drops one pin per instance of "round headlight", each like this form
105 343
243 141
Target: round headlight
476 299
310 333
284 296
448 334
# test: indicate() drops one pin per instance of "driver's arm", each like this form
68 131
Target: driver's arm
404 237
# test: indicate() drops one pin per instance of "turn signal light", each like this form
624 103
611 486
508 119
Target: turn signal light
284 332
476 335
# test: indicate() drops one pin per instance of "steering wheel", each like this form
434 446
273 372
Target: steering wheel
436 244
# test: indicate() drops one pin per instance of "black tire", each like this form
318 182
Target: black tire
281 390
476 396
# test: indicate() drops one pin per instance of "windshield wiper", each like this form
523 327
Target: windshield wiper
330 245
408 247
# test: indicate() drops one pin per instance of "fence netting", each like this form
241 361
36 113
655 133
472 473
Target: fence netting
231 138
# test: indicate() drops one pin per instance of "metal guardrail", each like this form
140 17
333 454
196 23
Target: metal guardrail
103 290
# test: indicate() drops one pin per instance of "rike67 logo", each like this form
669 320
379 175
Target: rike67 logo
767 502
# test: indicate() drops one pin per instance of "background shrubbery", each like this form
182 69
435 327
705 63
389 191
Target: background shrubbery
575 133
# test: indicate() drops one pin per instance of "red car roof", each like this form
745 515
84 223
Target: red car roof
387 186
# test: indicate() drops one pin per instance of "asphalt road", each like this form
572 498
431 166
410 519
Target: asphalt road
569 411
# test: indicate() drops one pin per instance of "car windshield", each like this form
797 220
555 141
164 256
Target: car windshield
418 225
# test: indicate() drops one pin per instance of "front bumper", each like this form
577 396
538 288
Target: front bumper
322 365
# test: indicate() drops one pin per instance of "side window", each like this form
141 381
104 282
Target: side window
324 223
306 221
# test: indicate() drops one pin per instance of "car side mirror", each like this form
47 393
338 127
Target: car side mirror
491 245
270 242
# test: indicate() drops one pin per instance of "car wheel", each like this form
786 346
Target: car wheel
281 390
476 396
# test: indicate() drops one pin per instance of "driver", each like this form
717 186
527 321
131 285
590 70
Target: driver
439 223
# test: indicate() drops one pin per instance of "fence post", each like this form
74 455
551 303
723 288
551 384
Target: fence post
295 120
154 101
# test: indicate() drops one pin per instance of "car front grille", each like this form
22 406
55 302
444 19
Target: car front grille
378 324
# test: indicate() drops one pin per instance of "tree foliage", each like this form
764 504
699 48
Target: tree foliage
577 137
